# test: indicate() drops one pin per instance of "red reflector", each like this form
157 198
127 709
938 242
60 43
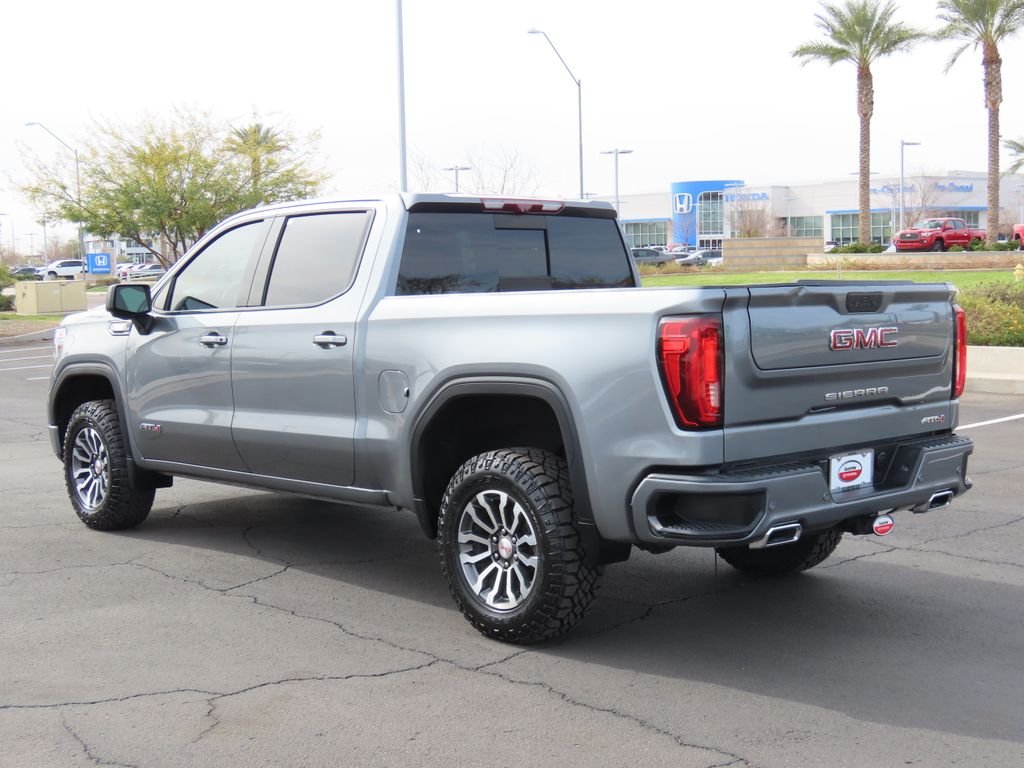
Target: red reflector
690 358
522 206
960 364
882 525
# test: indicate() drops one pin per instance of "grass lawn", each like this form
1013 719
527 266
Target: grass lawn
12 324
962 278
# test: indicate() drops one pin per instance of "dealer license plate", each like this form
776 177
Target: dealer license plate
851 470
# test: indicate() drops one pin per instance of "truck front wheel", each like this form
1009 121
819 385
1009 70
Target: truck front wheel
939 246
510 550
809 551
96 470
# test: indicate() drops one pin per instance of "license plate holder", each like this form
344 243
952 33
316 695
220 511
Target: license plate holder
849 471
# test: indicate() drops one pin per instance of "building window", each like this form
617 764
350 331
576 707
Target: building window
643 233
710 220
846 227
806 226
971 217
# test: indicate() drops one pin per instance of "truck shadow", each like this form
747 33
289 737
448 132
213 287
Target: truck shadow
878 641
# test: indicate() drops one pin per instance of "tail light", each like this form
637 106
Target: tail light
690 358
960 364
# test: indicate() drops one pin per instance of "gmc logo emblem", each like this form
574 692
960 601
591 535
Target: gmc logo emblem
862 338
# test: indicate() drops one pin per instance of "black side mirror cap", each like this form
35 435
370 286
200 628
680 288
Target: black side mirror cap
131 302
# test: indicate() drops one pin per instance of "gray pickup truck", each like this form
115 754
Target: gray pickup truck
492 366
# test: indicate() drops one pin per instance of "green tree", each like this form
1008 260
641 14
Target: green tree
984 24
860 32
171 181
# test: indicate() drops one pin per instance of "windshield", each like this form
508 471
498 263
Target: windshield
928 224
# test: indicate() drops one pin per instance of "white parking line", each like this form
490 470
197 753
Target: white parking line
38 378
23 349
25 368
18 359
991 421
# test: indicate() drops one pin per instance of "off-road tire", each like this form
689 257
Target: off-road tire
564 584
120 506
810 550
939 246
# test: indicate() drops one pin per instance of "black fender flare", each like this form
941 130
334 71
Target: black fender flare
516 386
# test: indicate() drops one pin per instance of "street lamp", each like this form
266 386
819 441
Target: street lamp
615 152
458 168
1020 203
78 182
902 145
403 173
579 95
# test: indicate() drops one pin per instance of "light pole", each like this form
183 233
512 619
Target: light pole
789 219
902 145
1020 203
579 96
615 152
458 168
403 171
78 182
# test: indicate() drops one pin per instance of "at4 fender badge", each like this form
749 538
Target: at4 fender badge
938 419
149 426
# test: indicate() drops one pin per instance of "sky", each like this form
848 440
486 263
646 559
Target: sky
696 89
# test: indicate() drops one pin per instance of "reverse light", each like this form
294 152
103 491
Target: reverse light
960 363
691 361
506 205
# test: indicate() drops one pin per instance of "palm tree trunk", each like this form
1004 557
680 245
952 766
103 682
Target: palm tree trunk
865 108
993 98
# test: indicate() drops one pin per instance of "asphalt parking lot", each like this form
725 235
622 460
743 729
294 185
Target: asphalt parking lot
241 628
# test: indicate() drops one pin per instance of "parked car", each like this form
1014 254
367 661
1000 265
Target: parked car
26 273
831 245
700 258
937 234
676 248
1018 234
66 268
651 257
120 270
145 272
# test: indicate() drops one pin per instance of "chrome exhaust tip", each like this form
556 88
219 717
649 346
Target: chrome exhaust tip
937 501
778 535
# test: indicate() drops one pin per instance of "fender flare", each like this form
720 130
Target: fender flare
498 385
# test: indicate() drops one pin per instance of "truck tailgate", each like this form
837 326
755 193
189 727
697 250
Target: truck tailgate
823 365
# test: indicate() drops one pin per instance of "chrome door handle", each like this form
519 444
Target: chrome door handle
329 340
213 340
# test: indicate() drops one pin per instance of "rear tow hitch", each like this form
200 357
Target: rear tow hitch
862 526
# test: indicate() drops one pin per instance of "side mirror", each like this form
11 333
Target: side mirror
131 302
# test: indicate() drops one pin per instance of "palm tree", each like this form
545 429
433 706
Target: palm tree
860 32
255 142
984 24
1016 147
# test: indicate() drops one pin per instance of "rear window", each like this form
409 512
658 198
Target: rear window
488 252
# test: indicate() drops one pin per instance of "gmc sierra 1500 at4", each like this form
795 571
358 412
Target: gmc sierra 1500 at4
493 366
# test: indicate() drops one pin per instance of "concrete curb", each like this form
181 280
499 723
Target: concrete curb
44 335
995 370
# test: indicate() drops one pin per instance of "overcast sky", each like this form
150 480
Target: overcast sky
696 89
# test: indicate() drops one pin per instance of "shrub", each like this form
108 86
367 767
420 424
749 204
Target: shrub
6 303
957 249
1009 245
995 314
6 278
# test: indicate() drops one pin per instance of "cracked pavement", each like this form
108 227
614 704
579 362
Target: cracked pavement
243 628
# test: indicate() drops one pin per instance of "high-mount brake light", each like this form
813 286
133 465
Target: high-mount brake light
691 360
505 205
960 364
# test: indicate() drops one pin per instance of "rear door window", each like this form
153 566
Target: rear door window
488 252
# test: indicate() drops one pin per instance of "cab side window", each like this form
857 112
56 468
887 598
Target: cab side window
316 257
218 277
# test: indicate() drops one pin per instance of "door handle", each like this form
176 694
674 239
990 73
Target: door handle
329 340
213 340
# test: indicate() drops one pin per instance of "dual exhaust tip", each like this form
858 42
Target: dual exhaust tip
789 533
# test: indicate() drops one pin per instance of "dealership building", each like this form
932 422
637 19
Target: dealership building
703 213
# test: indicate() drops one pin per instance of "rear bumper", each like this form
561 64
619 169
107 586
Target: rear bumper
740 508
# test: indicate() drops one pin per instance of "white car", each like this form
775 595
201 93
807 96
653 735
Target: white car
67 268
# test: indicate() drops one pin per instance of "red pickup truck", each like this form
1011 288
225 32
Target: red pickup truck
1018 234
937 235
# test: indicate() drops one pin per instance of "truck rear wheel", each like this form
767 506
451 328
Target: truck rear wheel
96 470
809 551
510 550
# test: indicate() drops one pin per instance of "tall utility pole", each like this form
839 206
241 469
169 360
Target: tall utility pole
78 183
457 168
615 152
579 96
403 170
902 145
